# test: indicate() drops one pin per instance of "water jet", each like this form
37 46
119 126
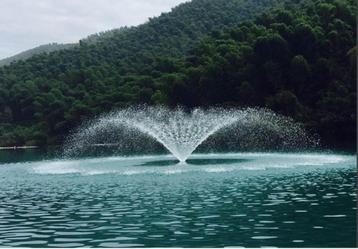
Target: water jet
182 132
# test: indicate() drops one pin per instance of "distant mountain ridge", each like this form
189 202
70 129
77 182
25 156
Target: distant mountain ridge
47 48
52 47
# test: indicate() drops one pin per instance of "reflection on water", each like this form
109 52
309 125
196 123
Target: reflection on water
311 205
21 155
221 161
160 163
216 161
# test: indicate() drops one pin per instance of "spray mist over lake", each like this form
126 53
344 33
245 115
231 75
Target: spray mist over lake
182 131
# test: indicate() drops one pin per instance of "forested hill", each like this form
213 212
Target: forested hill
297 59
174 33
47 48
43 97
300 62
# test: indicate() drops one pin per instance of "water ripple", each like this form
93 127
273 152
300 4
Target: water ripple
276 207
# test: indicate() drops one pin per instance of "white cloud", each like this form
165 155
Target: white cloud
25 24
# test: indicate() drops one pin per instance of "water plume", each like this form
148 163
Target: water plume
181 132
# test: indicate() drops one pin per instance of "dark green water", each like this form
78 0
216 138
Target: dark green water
248 199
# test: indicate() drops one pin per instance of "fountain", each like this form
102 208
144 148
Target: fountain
182 132
134 196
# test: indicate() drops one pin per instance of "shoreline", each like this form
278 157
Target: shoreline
38 147
18 147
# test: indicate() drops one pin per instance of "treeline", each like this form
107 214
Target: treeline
298 59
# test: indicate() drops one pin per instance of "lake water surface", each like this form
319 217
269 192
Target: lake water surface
215 200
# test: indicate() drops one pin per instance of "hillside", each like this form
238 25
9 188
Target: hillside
48 94
300 62
47 48
296 58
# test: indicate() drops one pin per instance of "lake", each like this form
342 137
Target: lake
213 200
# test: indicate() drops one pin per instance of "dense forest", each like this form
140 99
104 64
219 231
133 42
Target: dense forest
295 57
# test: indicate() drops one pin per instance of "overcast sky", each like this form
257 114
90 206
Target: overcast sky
25 24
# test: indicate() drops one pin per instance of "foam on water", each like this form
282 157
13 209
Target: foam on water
139 165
